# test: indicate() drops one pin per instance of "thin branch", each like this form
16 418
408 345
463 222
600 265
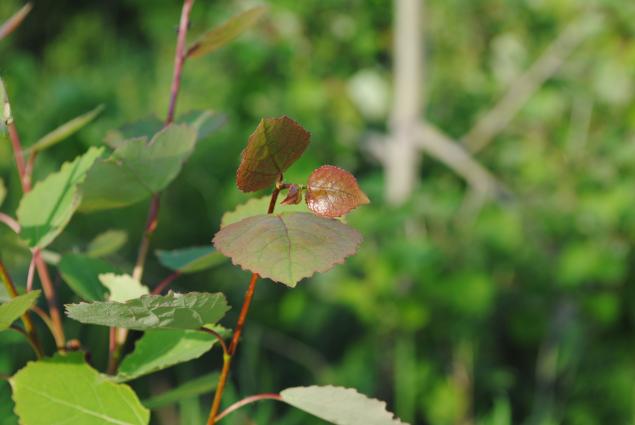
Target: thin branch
525 85
11 222
14 22
219 338
246 401
49 294
45 318
30 275
29 337
166 282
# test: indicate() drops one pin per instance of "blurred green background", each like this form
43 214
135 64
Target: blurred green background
507 309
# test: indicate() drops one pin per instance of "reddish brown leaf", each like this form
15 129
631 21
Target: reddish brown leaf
272 148
294 196
333 192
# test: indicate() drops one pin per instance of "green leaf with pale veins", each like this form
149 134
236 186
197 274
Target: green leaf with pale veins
287 247
65 130
191 388
64 389
16 307
107 243
159 349
340 406
258 206
271 149
171 311
81 273
46 210
190 260
138 169
122 287
225 33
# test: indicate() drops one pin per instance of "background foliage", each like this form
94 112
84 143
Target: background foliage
516 312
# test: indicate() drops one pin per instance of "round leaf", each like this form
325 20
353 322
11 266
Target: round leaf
333 192
272 148
287 247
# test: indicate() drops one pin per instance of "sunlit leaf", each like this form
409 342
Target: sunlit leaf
46 210
287 247
16 307
137 169
159 349
122 287
65 130
257 206
81 273
333 192
64 389
190 260
340 406
107 243
171 311
225 33
272 148
191 388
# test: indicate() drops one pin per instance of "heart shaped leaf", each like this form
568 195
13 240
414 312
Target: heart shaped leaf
287 247
171 311
272 148
64 389
333 192
340 406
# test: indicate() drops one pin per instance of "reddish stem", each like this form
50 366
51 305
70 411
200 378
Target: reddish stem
18 155
166 282
179 58
10 222
49 294
246 401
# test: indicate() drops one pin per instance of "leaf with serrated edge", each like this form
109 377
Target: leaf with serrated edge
272 148
190 260
340 406
137 169
257 206
191 388
159 349
225 33
64 389
107 243
16 307
287 247
48 207
333 192
171 311
122 287
81 273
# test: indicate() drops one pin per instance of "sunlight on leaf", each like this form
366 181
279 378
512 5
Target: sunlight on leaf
287 247
333 192
16 307
340 406
123 287
63 387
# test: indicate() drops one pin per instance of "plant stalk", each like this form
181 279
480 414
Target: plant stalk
227 358
247 400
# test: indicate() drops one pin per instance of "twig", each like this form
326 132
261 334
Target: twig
45 318
246 401
14 22
49 294
30 275
219 338
32 341
523 87
166 282
11 222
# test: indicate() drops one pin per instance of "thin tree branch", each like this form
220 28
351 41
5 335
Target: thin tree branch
166 282
219 338
14 22
11 222
248 400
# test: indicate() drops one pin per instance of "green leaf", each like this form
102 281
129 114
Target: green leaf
65 130
16 307
191 388
227 32
3 191
272 148
64 389
159 349
81 273
341 406
144 128
287 247
333 192
107 243
205 122
257 206
171 311
46 210
123 287
137 169
190 260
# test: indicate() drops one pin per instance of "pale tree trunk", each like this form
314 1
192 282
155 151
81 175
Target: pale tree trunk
402 154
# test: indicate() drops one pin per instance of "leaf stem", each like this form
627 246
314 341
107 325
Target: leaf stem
49 294
29 337
218 337
227 358
11 222
166 282
29 329
248 400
